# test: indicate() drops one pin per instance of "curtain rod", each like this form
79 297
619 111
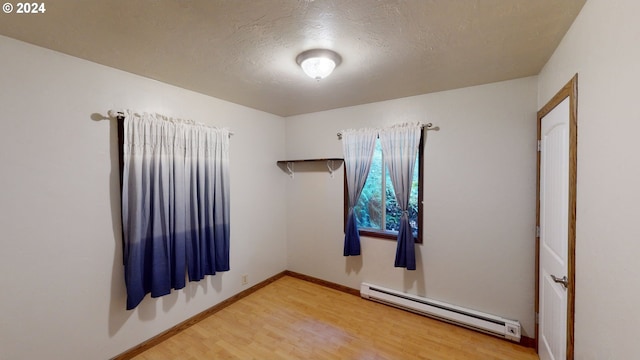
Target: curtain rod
120 114
428 126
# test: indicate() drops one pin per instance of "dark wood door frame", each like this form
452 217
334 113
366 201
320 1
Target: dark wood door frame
570 90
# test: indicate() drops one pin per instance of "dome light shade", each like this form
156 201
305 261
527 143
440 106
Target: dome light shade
318 68
318 63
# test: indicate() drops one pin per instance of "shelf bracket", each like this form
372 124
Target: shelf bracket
330 167
290 168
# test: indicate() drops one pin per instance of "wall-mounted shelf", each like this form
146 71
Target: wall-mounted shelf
288 165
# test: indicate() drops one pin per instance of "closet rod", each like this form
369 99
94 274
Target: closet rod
428 126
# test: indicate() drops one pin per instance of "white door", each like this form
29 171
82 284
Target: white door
554 222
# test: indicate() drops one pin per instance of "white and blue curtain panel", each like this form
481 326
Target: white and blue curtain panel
358 147
400 145
175 204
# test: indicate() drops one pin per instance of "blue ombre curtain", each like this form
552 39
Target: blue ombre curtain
175 203
358 146
400 145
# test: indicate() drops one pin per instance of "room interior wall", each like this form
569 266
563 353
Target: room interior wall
63 294
61 257
601 47
479 199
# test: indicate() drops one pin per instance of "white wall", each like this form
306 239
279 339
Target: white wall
61 277
602 47
480 176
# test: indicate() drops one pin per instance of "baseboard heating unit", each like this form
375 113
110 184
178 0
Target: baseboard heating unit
476 320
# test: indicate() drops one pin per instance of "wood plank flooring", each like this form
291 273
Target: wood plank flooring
296 319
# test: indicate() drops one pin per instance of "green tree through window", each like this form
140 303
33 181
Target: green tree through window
377 211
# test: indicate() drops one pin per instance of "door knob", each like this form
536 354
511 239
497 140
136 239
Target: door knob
564 281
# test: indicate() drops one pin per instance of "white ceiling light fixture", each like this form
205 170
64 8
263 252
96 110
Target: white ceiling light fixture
318 63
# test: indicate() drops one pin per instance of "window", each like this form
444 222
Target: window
377 211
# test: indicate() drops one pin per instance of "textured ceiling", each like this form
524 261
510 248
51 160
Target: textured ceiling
244 51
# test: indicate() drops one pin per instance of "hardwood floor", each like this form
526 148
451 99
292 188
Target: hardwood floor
296 319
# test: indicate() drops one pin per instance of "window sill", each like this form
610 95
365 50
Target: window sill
383 235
